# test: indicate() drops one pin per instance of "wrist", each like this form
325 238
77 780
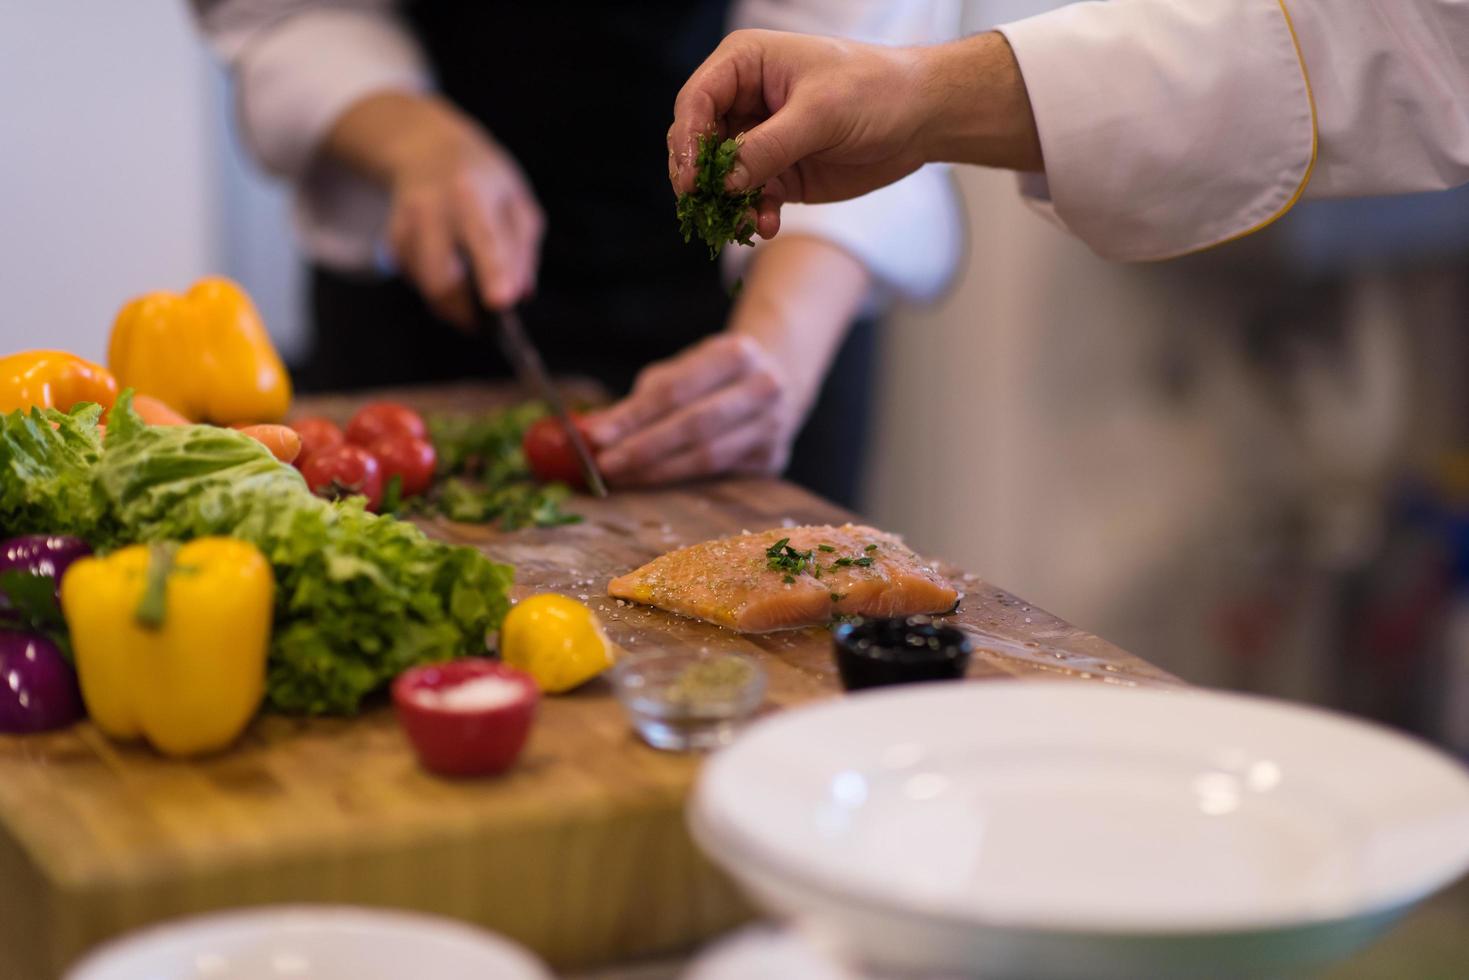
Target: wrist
800 294
393 137
974 106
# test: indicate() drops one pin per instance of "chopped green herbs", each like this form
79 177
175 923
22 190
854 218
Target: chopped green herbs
838 596
781 557
485 476
789 580
716 216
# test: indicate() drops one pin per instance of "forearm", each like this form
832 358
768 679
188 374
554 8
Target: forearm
386 134
975 107
800 294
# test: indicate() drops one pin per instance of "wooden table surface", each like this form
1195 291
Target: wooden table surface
580 852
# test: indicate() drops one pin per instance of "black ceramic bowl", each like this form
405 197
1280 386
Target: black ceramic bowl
877 652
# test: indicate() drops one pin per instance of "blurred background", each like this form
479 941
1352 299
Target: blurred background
1243 466
1250 467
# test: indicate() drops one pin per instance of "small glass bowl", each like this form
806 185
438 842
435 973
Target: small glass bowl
903 650
681 702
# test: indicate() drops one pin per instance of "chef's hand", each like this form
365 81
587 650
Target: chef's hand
724 405
826 119
455 192
734 403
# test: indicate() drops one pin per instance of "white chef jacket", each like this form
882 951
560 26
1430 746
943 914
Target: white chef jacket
299 64
1169 126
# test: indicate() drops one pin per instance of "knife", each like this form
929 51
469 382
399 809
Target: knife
530 371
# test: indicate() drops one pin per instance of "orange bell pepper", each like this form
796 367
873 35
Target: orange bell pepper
204 353
53 379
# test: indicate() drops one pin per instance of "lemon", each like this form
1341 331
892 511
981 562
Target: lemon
557 641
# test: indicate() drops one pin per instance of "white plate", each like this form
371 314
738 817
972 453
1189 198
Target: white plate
1062 829
307 942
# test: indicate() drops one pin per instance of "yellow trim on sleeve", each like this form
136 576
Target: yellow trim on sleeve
1310 164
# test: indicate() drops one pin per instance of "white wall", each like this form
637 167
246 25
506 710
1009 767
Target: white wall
115 174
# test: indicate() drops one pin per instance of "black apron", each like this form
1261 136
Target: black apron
581 94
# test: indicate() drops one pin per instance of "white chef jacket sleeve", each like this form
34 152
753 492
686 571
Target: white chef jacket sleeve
1168 126
298 65
909 235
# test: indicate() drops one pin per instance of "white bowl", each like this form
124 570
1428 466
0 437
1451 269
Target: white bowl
306 942
1070 830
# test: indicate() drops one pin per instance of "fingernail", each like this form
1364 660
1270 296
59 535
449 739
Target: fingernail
738 179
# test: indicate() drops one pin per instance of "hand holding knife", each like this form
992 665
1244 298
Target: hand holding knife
530 371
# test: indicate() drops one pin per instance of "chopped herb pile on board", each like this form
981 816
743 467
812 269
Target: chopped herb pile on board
713 214
484 476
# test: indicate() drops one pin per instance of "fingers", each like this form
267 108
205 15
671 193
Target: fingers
423 241
689 430
482 210
721 454
701 105
663 389
501 230
775 146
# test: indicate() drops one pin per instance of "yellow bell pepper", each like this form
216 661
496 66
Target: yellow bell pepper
170 641
53 379
205 354
557 641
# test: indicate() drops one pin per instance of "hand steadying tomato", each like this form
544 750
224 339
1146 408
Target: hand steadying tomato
410 459
550 454
345 471
376 420
317 435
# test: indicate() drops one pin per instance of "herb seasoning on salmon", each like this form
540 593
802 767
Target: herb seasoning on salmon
790 578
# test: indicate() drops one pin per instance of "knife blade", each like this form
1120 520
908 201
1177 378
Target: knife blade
530 371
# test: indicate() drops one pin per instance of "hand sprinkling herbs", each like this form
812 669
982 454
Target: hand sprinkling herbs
709 211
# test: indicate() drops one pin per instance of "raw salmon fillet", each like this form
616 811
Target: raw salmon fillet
788 578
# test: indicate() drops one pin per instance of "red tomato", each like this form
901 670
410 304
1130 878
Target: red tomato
550 454
375 420
317 435
345 471
410 459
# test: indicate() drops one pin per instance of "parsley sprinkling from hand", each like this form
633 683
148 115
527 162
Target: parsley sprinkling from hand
715 215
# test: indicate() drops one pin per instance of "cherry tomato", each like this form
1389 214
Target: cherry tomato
550 454
375 420
317 435
345 471
410 459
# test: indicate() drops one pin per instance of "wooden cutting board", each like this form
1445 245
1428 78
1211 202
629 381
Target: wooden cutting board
580 852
